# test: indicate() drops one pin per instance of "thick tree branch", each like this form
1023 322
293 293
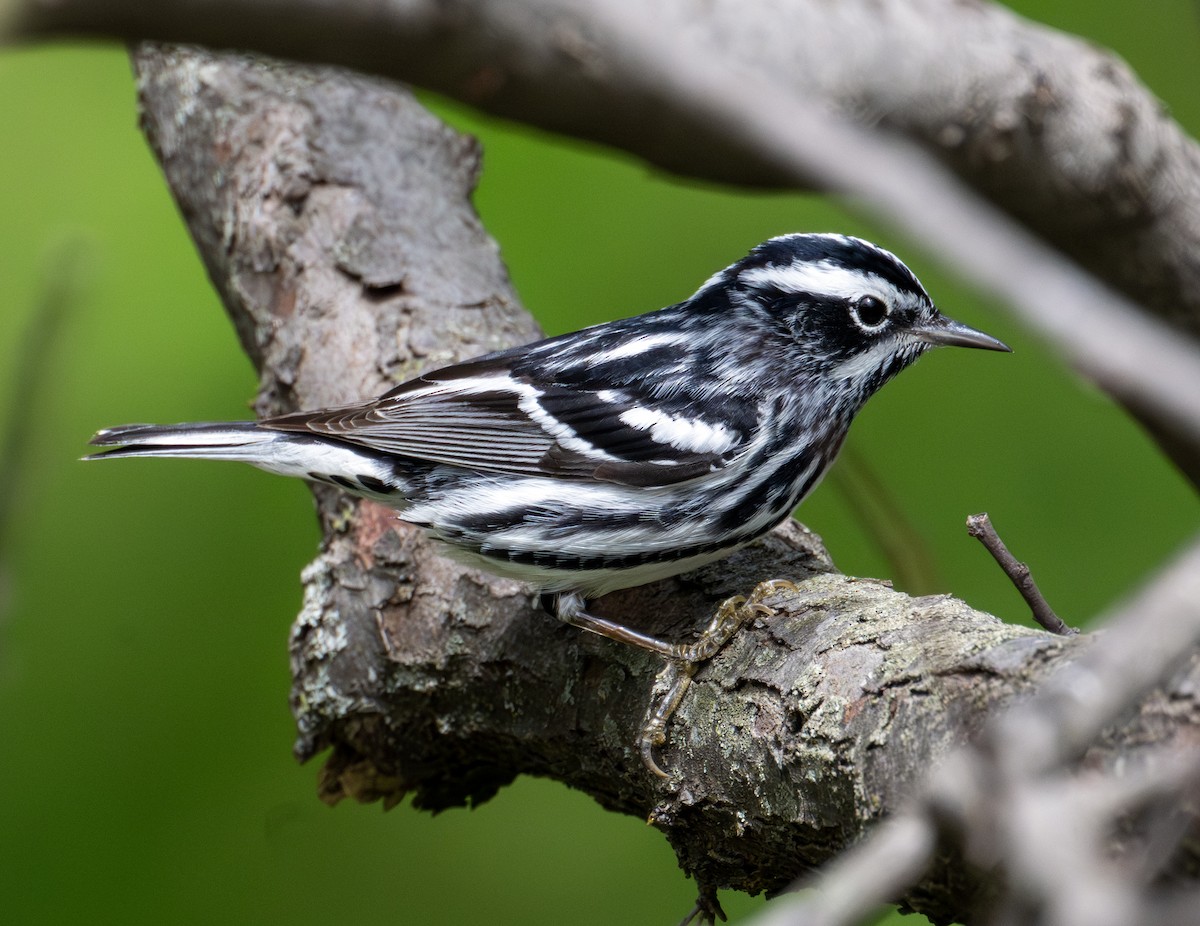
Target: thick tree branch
422 677
1058 133
1020 801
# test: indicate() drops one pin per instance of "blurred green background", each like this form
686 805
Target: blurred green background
144 608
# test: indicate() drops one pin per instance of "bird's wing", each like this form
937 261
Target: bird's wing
484 415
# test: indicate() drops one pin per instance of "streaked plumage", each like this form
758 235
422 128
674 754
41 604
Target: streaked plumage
625 452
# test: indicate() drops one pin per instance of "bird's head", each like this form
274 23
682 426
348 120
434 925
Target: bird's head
839 309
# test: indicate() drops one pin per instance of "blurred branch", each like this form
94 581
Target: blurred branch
421 677
1146 640
910 561
1057 131
863 879
31 374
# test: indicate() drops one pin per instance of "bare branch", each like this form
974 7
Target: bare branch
1160 625
1055 128
980 527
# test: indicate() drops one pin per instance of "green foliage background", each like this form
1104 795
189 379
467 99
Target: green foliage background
144 607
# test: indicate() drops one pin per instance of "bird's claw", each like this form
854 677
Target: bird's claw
670 685
673 681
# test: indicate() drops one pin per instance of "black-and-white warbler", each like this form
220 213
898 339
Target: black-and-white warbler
626 452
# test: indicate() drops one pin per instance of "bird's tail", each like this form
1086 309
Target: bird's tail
309 456
224 440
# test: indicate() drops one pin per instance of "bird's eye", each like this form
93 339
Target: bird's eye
869 313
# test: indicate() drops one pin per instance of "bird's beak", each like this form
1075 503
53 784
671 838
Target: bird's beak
942 330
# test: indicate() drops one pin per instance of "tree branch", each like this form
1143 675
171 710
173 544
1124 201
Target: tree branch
1045 797
426 678
980 527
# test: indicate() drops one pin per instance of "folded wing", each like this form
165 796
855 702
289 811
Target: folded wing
481 415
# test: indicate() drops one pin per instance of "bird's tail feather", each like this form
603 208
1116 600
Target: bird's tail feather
226 440
308 456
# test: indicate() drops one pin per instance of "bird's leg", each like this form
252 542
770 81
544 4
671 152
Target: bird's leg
683 659
569 607
673 681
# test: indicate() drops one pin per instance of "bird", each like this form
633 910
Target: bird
626 452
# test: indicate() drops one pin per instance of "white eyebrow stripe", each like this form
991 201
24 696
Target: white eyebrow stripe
824 279
689 434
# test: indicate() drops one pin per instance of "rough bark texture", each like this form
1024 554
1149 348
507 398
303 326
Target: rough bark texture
334 217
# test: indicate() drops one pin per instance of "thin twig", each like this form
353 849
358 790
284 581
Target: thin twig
980 527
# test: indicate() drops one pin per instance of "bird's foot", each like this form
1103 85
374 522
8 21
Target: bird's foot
671 684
